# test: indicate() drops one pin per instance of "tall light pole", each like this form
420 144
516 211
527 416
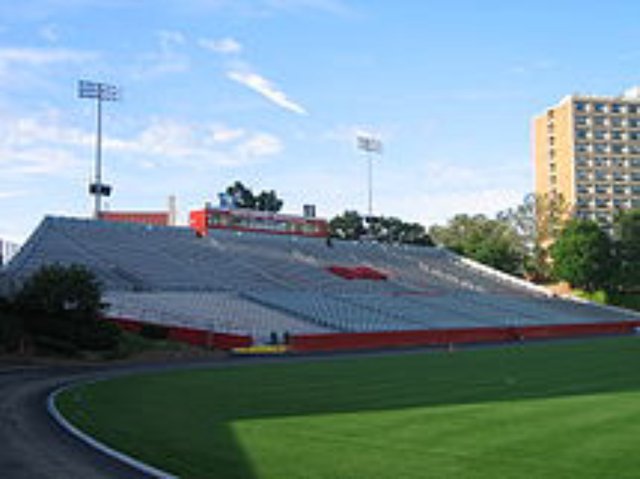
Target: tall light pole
99 92
369 145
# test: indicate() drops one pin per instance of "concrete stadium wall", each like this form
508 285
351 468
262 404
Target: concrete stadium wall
193 336
380 340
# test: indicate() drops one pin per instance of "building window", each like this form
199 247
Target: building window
619 163
581 106
632 108
634 135
600 121
582 161
617 148
616 122
599 107
581 134
634 122
601 161
583 175
619 177
582 147
600 134
616 135
616 108
600 148
602 189
601 175
581 120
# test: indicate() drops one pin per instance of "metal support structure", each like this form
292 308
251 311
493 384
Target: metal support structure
99 92
369 145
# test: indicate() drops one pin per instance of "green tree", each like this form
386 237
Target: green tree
268 201
11 327
347 226
243 197
351 226
394 230
63 304
537 222
492 242
582 256
626 236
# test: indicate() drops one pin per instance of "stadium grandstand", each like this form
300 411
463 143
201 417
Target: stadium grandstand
276 287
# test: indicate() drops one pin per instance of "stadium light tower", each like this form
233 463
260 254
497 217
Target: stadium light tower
99 92
369 145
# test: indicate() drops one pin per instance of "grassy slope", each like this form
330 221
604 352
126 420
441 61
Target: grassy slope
553 410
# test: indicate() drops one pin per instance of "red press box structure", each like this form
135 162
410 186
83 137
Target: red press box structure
241 219
155 218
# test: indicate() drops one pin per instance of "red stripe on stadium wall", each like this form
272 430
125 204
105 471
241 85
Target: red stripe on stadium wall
193 336
379 340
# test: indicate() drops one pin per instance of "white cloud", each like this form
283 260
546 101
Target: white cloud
223 134
259 145
28 131
42 56
168 58
40 161
12 194
267 89
197 145
40 145
225 46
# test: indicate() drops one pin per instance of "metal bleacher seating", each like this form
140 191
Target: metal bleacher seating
259 284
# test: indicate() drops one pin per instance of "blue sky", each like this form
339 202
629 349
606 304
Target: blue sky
273 93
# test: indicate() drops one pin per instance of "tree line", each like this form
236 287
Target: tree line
537 240
542 241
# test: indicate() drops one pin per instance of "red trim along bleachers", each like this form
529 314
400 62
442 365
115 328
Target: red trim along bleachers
193 336
357 272
442 337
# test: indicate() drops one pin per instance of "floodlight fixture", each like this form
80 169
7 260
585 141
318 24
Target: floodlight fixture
99 92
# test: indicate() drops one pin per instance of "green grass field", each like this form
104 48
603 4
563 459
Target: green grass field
555 410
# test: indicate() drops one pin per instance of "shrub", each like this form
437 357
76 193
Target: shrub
11 329
154 331
61 305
